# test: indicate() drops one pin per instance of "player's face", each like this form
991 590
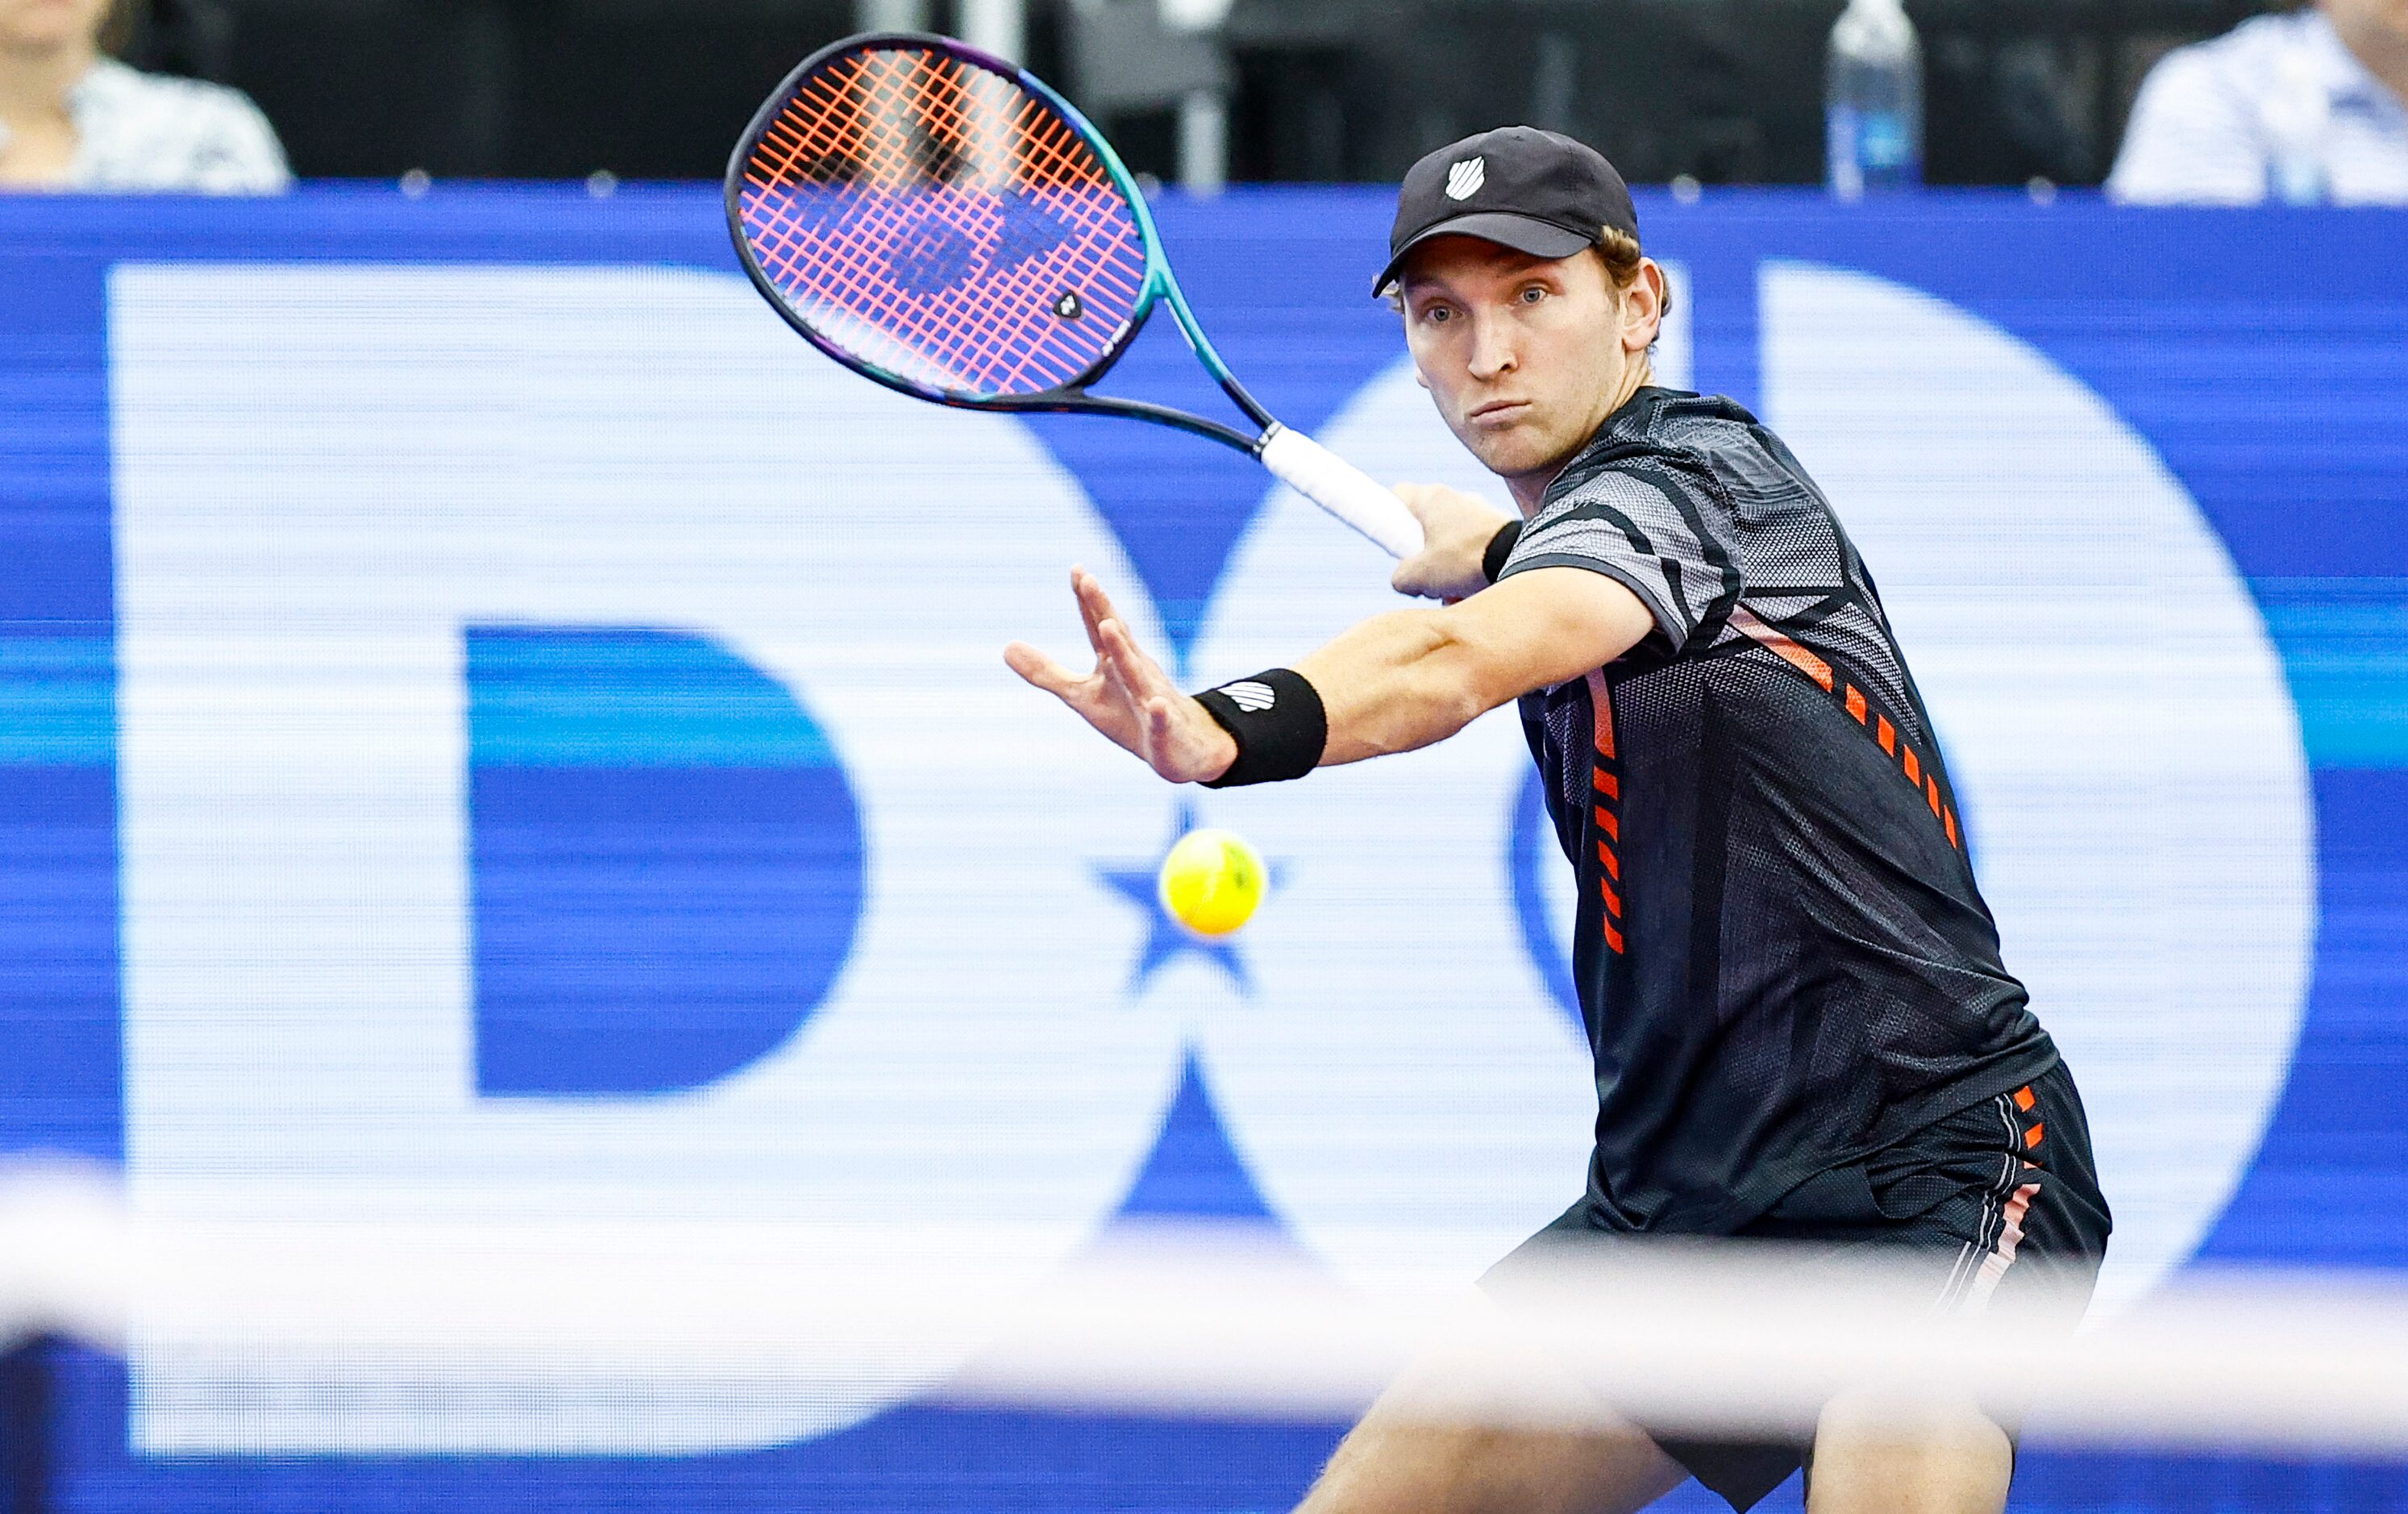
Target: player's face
2363 17
1526 356
42 25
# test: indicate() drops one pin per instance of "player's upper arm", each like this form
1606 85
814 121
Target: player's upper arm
1544 626
1653 525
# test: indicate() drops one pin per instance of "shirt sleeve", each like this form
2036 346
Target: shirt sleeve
2192 139
235 151
1648 530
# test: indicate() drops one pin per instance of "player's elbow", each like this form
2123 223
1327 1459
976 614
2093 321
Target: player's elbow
1455 705
1467 677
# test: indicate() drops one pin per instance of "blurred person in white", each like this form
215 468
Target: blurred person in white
2307 108
73 118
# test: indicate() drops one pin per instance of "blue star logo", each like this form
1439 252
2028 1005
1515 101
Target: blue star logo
1166 939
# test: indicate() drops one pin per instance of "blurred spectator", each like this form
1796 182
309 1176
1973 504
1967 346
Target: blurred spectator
73 118
2305 108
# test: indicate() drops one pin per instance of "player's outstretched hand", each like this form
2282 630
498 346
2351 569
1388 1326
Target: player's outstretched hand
1128 697
1456 529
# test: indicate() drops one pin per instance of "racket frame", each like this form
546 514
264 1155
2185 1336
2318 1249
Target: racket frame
1160 286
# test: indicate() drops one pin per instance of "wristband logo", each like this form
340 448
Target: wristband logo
392 649
1250 696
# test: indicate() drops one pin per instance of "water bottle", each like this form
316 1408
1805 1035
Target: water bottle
1872 111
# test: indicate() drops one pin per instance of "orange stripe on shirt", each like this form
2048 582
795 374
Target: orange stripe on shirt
1601 702
1745 621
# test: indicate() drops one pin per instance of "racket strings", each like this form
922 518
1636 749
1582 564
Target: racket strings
918 342
930 253
1052 145
935 220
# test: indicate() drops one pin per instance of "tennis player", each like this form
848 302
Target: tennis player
1802 1024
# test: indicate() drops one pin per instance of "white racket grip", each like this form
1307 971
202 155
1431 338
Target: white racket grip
1341 488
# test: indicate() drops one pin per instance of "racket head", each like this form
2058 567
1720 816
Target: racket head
939 220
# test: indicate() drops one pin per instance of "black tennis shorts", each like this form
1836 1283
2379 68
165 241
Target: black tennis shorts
2002 1197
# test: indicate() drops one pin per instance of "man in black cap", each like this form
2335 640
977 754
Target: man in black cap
1802 1026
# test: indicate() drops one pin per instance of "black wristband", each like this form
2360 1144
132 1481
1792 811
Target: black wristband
1277 720
1500 547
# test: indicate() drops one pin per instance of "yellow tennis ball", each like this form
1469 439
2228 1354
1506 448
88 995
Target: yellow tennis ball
1212 881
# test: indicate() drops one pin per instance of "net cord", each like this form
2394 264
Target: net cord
380 1303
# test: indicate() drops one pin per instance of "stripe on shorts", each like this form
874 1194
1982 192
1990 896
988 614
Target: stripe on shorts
1983 1262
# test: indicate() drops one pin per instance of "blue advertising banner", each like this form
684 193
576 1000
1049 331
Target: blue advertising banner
497 723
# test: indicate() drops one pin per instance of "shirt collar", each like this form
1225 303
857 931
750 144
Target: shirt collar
105 77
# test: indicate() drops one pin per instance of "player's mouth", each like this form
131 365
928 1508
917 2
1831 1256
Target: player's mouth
1497 414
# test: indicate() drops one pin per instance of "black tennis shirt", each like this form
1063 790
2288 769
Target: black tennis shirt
1783 960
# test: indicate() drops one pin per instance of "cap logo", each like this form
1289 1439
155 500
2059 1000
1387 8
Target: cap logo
1463 181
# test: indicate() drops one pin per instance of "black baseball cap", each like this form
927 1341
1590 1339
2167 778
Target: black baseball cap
1535 192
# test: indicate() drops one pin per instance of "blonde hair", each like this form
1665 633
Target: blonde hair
1619 251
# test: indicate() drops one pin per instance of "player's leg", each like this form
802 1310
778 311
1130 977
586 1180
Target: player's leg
1402 1461
1431 1444
1875 1457
2035 1254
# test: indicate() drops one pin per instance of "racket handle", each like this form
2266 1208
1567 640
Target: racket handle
1341 488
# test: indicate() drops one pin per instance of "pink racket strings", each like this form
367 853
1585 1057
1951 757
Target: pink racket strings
935 220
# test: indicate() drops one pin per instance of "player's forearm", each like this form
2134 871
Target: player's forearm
1405 679
1398 681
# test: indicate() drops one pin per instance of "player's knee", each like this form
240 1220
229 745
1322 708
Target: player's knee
1894 1451
1883 1416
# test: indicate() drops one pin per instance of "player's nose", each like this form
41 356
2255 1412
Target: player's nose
1492 349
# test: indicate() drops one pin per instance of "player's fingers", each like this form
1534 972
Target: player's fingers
1111 653
1112 660
1138 673
1133 673
1094 605
1089 693
1091 696
1095 609
1041 670
1079 578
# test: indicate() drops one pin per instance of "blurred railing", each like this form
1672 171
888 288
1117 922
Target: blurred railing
1723 91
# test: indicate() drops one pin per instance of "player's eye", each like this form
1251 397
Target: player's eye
1533 293
1437 315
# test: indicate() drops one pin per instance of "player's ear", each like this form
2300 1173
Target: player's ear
1642 307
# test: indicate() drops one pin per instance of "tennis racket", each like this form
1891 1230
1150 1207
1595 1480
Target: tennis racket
939 220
